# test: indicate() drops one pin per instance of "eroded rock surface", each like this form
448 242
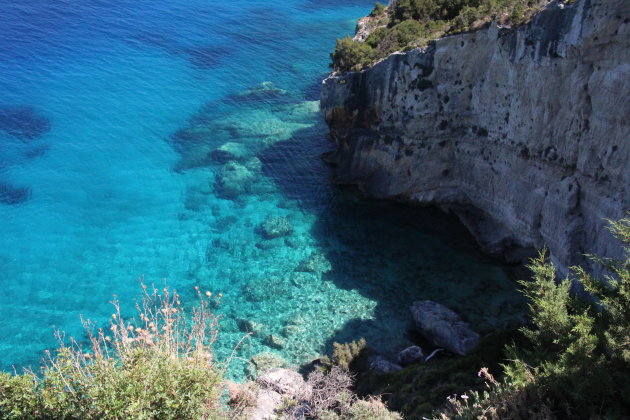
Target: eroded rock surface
523 133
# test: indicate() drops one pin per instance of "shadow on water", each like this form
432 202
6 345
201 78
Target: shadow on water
391 253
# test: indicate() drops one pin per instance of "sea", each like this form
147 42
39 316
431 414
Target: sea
178 143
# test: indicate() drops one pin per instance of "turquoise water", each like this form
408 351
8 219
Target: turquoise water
111 114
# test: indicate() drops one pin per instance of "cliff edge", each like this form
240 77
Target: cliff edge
524 133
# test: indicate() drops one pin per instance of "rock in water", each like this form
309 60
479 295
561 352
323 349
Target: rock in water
410 355
234 179
443 327
23 122
13 195
317 263
230 151
275 341
275 227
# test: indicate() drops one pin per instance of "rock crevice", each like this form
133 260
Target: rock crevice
524 133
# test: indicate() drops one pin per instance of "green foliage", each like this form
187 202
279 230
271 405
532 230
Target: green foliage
159 366
351 55
613 293
414 23
387 40
577 357
345 355
378 10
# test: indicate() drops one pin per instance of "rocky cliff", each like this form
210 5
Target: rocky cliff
524 133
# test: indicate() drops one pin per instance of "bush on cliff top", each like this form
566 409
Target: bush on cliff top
414 23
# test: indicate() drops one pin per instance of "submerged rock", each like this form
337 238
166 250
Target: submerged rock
316 263
275 227
275 341
230 151
301 278
13 195
233 180
23 122
410 355
272 288
249 326
266 91
443 327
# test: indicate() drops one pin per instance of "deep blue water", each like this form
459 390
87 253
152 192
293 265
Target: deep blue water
111 114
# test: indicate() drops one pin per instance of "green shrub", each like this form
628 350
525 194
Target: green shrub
158 366
416 22
577 358
345 355
351 55
384 41
378 10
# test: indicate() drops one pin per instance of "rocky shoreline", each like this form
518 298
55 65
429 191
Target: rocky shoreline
521 132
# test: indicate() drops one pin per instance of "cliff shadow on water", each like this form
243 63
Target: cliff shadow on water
391 253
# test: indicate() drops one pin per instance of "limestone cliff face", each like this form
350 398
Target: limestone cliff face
524 133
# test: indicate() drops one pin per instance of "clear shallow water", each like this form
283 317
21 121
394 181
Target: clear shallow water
110 115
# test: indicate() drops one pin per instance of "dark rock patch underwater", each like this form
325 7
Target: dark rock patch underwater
10 194
23 122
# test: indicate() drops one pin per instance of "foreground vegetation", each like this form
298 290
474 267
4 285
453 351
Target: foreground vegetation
408 24
577 360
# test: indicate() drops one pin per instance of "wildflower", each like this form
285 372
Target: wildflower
113 316
196 287
220 295
464 397
173 310
130 328
108 339
87 356
208 294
